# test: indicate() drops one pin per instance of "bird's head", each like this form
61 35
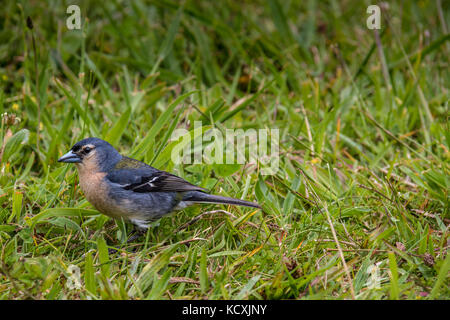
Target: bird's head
93 153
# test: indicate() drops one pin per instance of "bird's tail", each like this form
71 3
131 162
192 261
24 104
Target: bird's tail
197 196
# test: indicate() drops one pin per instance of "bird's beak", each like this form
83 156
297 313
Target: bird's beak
70 157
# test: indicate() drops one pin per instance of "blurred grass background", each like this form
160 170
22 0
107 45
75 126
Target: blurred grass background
358 209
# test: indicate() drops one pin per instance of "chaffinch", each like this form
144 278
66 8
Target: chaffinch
122 187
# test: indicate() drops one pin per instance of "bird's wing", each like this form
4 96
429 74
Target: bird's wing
136 176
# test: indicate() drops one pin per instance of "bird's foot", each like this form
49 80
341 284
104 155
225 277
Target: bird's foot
135 235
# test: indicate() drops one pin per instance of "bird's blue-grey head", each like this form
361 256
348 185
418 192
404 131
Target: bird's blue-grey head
92 151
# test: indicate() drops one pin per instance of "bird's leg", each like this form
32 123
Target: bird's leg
135 234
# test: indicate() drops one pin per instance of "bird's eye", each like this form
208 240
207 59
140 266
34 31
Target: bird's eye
87 150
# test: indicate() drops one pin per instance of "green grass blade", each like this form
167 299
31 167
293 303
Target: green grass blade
149 140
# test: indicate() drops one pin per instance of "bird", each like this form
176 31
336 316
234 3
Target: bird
125 188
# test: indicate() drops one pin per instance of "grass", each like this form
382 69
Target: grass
359 208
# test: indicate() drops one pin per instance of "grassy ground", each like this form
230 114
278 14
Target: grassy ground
358 209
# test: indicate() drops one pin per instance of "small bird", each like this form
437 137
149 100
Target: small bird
122 187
